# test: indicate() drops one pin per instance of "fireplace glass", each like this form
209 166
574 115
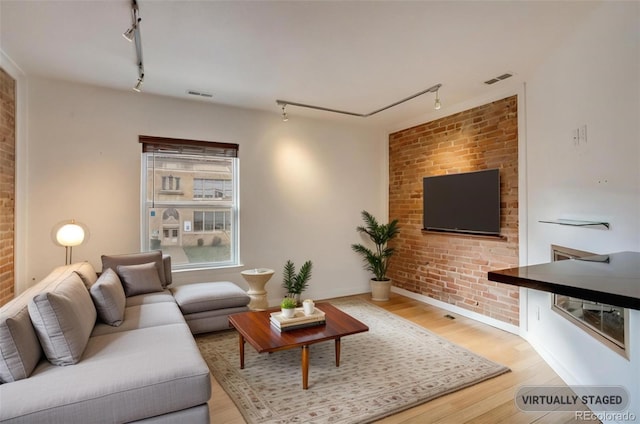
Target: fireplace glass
605 322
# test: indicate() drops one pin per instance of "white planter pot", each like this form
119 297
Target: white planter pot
288 313
380 290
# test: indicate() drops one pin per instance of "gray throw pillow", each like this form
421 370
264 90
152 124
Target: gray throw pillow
20 349
113 261
140 279
63 317
108 296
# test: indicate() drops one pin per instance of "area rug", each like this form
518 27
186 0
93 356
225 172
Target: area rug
394 366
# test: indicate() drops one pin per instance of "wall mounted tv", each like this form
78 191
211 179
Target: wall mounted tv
463 203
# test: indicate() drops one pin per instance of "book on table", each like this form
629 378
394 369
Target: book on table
299 320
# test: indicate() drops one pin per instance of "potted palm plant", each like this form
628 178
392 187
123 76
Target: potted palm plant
377 260
296 283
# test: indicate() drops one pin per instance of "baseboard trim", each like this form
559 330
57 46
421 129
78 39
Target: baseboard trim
458 310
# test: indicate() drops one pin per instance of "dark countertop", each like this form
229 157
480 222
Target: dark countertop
613 279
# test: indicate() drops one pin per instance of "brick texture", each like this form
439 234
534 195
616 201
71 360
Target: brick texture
449 267
7 185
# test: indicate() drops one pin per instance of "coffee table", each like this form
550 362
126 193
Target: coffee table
254 327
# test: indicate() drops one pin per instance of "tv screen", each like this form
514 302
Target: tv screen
463 203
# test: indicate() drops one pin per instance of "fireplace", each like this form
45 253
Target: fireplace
606 323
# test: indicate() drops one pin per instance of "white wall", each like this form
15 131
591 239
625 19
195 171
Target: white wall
303 183
591 79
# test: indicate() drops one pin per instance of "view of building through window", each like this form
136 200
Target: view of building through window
190 208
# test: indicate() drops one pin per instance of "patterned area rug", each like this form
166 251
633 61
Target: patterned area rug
394 366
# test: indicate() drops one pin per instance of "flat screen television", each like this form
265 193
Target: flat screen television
463 203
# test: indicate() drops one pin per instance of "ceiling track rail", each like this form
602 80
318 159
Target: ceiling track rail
284 103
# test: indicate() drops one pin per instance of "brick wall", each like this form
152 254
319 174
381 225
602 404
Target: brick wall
7 184
449 267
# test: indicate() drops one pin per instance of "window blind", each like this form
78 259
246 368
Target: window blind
151 144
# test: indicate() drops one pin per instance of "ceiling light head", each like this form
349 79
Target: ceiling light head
129 34
285 118
437 105
138 86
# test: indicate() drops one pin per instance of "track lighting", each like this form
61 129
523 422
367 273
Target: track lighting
285 118
437 105
433 89
133 35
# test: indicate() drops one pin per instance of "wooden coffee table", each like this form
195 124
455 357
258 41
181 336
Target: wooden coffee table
255 328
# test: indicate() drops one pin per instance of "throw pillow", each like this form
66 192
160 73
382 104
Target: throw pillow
20 349
140 279
87 273
63 317
108 296
113 261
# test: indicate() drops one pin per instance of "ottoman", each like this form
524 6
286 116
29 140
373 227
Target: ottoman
206 306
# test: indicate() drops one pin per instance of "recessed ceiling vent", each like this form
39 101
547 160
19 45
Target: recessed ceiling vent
498 79
199 94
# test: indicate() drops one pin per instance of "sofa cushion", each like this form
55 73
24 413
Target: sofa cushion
199 297
148 298
63 317
19 347
122 377
143 316
108 296
140 279
112 261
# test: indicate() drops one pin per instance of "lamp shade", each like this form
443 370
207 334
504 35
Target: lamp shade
70 235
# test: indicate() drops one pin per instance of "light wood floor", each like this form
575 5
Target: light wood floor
489 402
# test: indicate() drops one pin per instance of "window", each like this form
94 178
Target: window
190 201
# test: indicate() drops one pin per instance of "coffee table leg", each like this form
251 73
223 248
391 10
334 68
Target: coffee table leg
338 352
305 367
241 343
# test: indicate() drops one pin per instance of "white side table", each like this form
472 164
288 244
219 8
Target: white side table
257 279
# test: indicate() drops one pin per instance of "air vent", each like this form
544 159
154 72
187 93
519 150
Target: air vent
498 79
199 93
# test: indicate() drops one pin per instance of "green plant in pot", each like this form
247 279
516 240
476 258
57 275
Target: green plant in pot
377 260
296 283
288 307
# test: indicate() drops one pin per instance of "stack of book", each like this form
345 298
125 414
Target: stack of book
299 320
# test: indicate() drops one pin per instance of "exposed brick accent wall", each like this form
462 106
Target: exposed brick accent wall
449 267
7 184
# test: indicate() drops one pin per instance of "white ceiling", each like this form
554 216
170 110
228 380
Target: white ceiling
357 55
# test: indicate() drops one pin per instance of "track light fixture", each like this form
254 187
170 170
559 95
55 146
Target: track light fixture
433 89
437 105
138 86
285 118
129 34
133 34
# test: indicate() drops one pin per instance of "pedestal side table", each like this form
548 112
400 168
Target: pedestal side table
257 279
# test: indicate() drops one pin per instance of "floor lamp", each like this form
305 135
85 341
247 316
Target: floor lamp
69 234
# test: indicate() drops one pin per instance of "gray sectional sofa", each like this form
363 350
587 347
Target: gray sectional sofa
114 348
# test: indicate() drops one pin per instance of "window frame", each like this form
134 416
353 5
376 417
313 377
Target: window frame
158 147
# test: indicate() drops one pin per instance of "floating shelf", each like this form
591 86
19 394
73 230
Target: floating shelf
577 223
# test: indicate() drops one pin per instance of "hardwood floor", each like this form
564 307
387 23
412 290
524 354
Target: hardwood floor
489 402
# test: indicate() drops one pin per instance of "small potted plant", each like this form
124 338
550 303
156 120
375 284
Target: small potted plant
288 307
377 261
296 283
